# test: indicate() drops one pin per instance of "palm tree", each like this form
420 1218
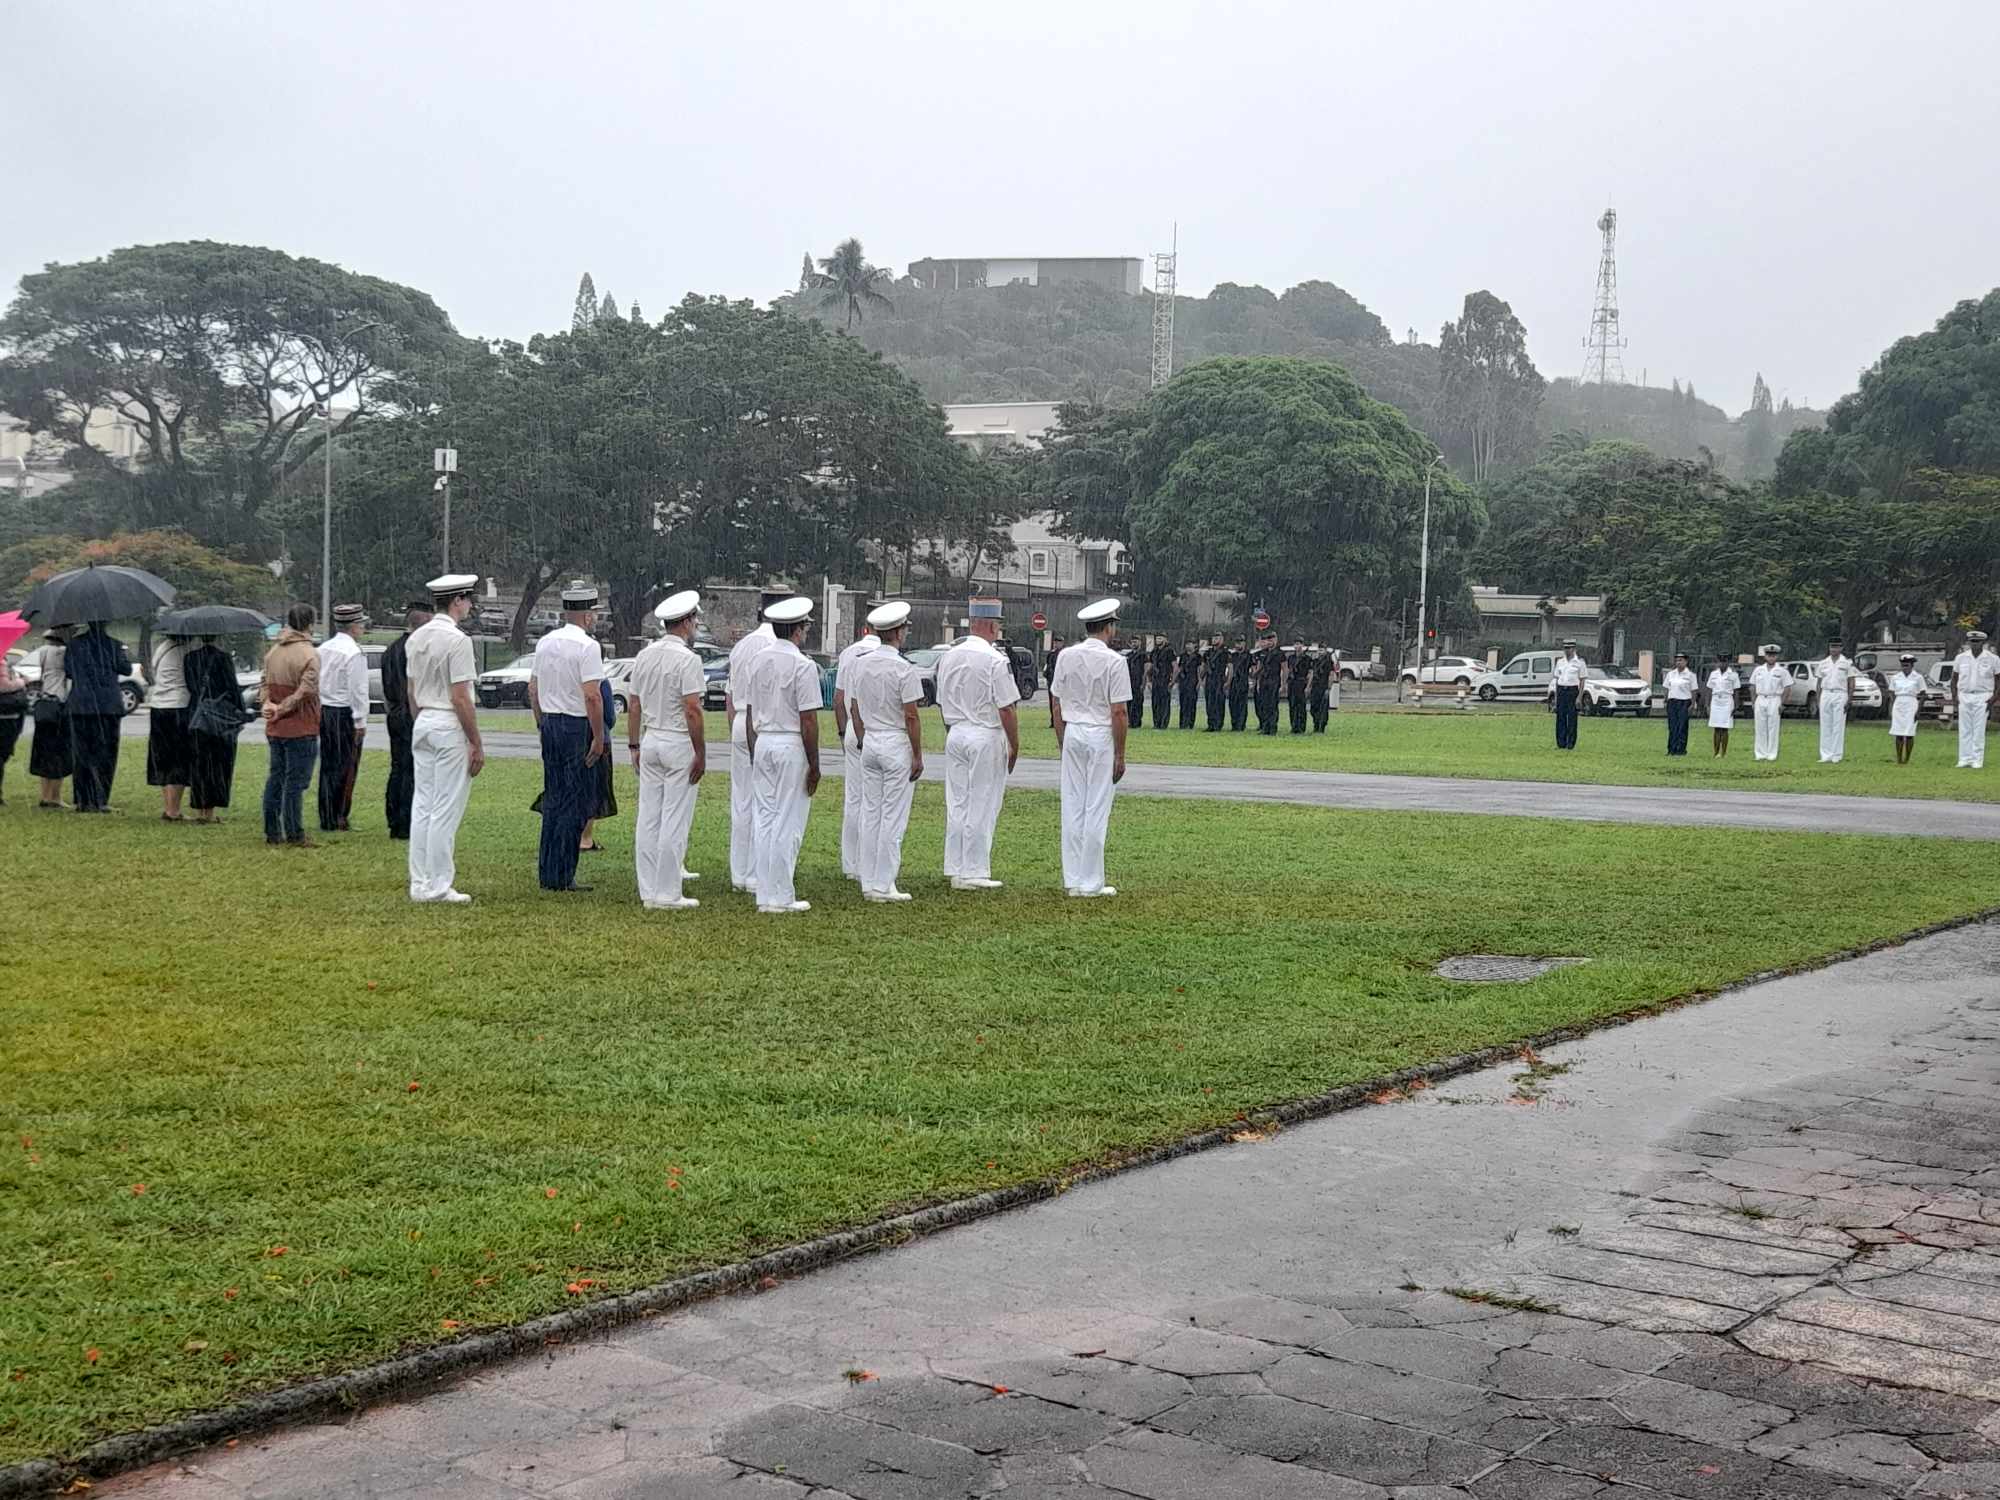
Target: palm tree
846 277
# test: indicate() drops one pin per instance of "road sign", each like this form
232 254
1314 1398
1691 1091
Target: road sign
1262 619
444 460
1039 620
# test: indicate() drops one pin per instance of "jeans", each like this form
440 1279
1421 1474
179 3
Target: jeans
285 788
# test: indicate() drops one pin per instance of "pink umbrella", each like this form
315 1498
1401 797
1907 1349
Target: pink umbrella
12 628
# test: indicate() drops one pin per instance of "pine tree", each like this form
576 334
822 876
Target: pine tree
633 315
586 305
1759 435
808 277
608 311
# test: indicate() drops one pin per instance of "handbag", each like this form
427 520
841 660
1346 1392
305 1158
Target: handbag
13 703
218 717
48 710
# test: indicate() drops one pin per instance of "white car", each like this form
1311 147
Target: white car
1606 689
506 685
1610 689
1459 671
1802 693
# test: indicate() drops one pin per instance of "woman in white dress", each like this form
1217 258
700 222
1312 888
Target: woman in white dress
1904 688
1722 686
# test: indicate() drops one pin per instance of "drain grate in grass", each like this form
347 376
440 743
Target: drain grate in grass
1500 968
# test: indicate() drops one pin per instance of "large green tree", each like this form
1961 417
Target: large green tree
1488 389
219 357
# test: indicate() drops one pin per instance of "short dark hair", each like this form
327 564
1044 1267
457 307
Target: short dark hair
300 617
417 608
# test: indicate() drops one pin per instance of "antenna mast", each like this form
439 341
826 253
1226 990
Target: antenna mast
1603 364
1164 265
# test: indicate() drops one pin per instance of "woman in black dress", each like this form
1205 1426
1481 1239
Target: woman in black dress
167 746
215 717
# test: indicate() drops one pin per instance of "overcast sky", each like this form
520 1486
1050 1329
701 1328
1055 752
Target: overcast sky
1798 181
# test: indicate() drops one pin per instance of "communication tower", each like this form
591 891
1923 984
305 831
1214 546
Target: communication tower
1164 265
1603 363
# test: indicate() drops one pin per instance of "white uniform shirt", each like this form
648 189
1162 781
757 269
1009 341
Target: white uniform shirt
1569 672
974 682
879 684
846 658
1091 679
664 677
1906 684
782 685
740 656
168 688
1679 684
1836 678
438 656
566 660
1769 681
343 674
1723 682
1975 674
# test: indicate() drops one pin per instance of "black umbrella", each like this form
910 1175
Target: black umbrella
211 619
93 593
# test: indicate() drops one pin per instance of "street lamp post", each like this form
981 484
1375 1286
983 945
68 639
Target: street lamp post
1424 570
326 524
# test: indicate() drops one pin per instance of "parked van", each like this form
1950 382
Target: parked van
1607 689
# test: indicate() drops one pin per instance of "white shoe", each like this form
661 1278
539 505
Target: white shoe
687 875
892 894
456 898
686 903
780 911
1103 890
974 883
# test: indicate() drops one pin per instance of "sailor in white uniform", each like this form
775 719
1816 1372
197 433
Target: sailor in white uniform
1905 696
1722 687
1566 690
1679 685
445 750
783 704
1836 676
670 754
976 694
1768 682
1088 698
850 752
883 691
1972 677
742 778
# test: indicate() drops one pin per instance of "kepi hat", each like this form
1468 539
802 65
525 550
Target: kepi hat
888 616
579 595
1099 612
789 611
449 586
677 607
348 614
1975 635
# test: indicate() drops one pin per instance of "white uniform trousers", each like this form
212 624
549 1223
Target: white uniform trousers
850 803
1086 804
666 813
886 790
975 780
782 807
1767 712
1832 727
442 786
1972 729
742 806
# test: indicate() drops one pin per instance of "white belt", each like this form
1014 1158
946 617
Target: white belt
777 734
664 730
968 724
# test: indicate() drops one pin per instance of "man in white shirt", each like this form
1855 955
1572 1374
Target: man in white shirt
782 705
850 752
742 775
1723 684
1566 687
976 694
569 712
1768 682
1088 696
1835 675
343 716
445 748
665 699
1678 684
884 689
1972 677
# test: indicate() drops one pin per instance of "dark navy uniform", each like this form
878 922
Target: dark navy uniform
1215 661
1163 685
1188 683
1239 687
1318 689
1135 663
1297 679
1269 667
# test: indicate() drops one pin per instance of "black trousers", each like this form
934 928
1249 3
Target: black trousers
10 736
402 787
1216 703
1239 710
1566 717
93 747
1187 708
1677 725
1298 702
1135 711
569 793
339 757
1321 708
1267 714
1163 707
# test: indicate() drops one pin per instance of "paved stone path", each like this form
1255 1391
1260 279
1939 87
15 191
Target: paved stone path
1794 811
1750 1249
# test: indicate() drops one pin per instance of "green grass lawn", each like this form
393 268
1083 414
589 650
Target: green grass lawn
359 1124
1511 743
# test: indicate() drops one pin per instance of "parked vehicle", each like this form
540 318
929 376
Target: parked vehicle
1458 671
1865 696
376 703
506 685
925 660
1611 689
1357 667
618 672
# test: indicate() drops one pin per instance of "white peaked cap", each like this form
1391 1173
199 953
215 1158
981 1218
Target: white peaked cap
677 607
451 585
1103 609
789 611
888 616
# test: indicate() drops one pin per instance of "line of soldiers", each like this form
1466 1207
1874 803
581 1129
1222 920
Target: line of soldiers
1228 679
